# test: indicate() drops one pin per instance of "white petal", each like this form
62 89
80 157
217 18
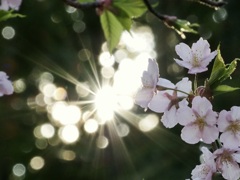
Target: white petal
222 121
143 97
184 52
165 83
230 170
198 69
210 134
185 115
159 102
235 112
185 64
184 85
201 105
153 70
191 134
169 118
229 140
147 80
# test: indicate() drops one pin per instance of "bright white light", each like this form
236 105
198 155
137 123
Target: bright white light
69 134
126 102
148 123
106 102
91 126
37 163
106 59
47 130
60 94
48 89
66 114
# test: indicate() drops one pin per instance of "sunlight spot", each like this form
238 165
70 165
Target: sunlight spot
107 72
19 85
82 89
46 77
102 142
79 26
123 130
148 123
66 114
120 54
86 115
106 102
37 163
59 94
19 170
84 55
67 155
91 126
47 130
69 134
106 59
8 32
48 89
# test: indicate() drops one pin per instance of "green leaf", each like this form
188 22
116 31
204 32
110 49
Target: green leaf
220 71
133 8
224 89
112 29
5 15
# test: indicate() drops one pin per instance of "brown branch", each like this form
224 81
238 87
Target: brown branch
78 5
214 4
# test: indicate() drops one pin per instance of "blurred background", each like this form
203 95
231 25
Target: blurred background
72 115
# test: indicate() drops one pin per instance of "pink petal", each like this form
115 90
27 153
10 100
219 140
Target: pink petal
143 97
169 118
229 140
184 85
165 83
211 118
201 105
185 64
210 134
191 134
184 52
159 102
147 80
153 70
230 170
185 115
14 4
198 69
222 121
235 113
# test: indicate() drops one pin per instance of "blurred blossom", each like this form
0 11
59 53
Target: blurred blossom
6 87
10 4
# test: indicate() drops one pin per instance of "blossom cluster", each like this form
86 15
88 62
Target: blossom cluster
10 4
192 108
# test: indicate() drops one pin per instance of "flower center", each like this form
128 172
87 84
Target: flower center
200 122
195 62
234 127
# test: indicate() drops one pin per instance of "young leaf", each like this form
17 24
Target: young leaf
224 89
5 15
133 8
221 71
112 29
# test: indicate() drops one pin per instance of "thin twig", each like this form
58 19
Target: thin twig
214 4
73 3
162 17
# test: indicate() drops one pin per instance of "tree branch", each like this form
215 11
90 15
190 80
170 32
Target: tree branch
213 4
78 5
162 17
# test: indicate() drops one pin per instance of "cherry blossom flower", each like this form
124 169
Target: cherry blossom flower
165 99
227 162
10 4
205 170
199 121
149 82
6 87
229 124
196 58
